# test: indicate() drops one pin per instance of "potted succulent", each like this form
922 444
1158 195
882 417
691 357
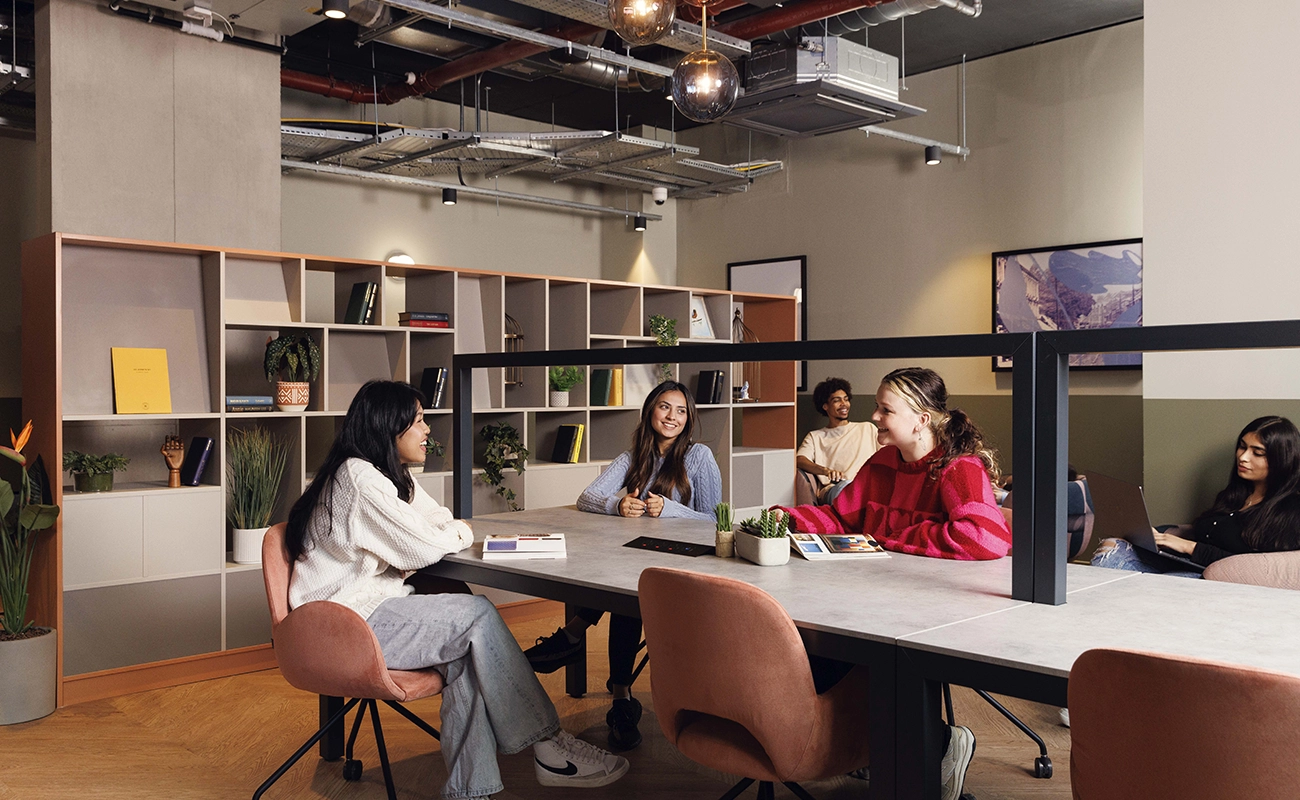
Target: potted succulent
725 537
93 473
255 462
664 329
764 540
432 447
504 450
291 363
562 380
28 654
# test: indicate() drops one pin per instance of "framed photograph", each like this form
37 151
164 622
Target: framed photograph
788 276
1073 287
701 328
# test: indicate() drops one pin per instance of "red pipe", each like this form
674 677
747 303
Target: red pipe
691 13
436 78
802 13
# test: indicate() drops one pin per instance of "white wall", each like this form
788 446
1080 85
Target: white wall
898 248
1222 189
361 219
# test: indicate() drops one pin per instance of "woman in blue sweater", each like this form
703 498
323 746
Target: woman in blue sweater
665 474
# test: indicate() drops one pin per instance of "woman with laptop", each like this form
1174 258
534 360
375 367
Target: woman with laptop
665 474
927 491
1257 512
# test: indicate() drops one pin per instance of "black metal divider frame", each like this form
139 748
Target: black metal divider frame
1040 406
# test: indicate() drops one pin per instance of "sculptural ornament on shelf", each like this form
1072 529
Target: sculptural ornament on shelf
173 452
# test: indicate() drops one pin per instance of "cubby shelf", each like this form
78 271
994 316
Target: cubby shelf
145 564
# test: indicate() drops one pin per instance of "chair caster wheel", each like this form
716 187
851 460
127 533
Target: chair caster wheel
1042 767
352 769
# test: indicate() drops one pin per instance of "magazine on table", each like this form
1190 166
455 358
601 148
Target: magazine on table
816 546
518 548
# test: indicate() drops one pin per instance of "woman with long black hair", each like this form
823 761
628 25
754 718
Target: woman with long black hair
361 528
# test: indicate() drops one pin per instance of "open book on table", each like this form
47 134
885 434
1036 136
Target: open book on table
814 546
515 548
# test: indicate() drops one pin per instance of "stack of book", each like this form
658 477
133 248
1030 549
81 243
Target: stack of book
249 402
361 306
607 387
708 388
433 383
424 319
568 444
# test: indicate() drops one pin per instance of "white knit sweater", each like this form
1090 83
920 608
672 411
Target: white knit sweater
361 556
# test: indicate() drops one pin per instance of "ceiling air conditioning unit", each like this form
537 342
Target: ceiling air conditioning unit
820 85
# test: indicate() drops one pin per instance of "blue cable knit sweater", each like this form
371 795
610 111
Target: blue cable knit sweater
602 496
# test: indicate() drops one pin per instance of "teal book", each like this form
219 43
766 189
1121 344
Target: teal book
600 383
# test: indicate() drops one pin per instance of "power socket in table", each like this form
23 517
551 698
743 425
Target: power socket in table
671 546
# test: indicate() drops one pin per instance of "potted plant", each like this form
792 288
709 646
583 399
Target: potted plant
432 447
724 537
296 356
764 540
562 380
28 654
93 473
255 462
504 450
664 329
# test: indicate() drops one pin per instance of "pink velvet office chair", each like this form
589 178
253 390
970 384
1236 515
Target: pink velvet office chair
1278 570
328 649
733 690
1147 725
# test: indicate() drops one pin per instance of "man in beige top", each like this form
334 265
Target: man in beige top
833 455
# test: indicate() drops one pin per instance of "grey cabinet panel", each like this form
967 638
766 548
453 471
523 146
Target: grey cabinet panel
117 626
248 621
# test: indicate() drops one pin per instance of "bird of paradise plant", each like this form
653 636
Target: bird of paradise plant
20 521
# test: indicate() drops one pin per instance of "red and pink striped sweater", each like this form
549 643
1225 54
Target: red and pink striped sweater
954 517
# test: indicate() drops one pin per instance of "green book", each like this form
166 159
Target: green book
600 382
362 303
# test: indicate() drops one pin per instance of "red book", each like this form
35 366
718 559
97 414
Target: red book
424 323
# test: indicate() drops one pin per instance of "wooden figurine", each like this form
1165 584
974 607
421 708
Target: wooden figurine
173 451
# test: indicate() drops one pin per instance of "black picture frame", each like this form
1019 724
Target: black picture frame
787 275
1071 272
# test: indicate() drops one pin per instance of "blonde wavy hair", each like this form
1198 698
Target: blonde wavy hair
954 432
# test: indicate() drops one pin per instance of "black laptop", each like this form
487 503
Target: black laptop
1126 509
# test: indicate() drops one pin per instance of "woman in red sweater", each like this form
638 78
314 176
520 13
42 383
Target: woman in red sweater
928 490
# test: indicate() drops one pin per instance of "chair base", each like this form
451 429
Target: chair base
766 790
1042 764
352 768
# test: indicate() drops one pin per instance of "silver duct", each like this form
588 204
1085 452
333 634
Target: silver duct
852 21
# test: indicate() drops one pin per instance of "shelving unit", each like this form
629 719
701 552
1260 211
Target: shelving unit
139 581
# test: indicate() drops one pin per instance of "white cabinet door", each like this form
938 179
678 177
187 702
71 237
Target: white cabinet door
103 539
183 533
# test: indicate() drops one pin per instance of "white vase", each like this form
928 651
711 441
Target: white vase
415 469
28 666
761 551
559 399
248 545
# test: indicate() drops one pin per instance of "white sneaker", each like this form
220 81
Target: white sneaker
567 761
1065 717
952 772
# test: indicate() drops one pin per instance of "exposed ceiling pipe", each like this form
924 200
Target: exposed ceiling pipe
974 10
691 13
791 16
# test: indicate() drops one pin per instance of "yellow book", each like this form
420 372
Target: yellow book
140 383
577 445
616 387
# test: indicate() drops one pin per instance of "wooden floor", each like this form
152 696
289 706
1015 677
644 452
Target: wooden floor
221 738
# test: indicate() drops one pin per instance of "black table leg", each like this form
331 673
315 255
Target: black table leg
882 718
331 744
575 675
919 738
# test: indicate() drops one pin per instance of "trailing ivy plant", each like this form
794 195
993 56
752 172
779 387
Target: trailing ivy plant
504 450
664 329
295 354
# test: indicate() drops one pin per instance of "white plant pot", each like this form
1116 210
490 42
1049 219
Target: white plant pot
559 399
28 667
763 552
248 545
415 469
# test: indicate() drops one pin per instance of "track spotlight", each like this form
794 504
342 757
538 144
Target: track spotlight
933 154
335 9
449 197
638 223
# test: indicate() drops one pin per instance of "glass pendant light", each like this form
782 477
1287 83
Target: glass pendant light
641 22
705 83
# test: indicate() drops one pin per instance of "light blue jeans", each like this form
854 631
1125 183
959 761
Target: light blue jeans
492 701
1119 554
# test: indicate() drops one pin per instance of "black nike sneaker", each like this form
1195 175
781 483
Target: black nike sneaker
567 761
554 651
622 720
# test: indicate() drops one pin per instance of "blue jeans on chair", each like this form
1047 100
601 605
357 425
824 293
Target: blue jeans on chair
492 701
1119 554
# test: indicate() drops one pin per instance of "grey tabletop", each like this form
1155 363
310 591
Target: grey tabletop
1249 625
875 599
